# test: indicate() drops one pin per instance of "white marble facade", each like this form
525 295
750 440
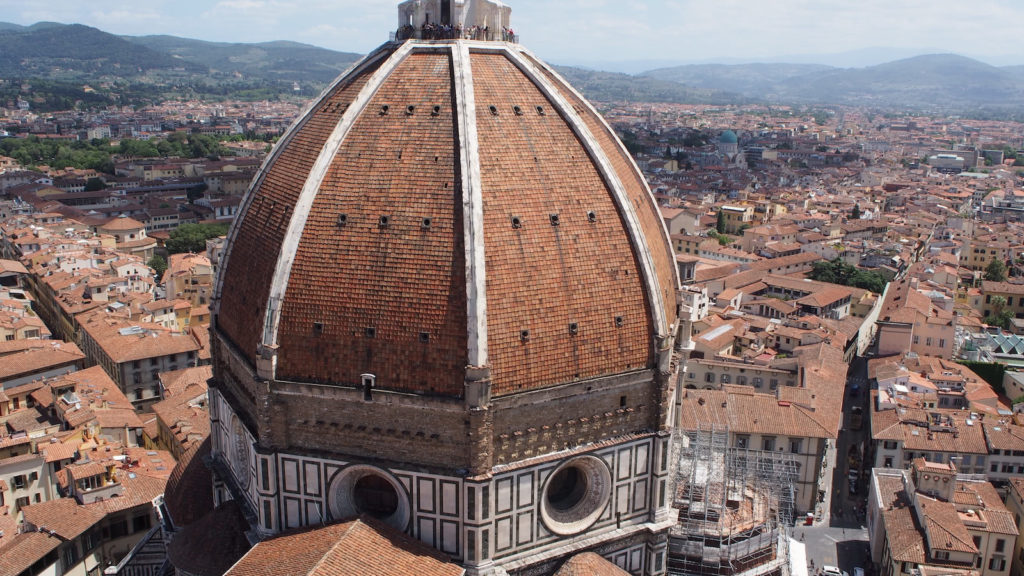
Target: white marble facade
504 520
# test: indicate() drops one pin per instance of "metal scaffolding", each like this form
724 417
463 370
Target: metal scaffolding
734 504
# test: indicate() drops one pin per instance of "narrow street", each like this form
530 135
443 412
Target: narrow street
840 537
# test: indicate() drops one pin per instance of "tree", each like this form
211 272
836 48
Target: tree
855 213
193 237
93 184
838 272
158 264
1000 316
720 223
995 271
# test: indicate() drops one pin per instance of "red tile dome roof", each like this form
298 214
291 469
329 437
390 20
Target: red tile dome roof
448 204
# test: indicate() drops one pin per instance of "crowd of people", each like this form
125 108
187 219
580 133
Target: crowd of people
432 31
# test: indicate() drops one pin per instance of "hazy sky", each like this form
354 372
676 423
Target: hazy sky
591 31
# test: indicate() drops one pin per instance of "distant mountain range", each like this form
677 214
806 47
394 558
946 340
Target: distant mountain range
942 82
290 61
73 53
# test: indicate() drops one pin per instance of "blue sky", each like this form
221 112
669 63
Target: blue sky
595 32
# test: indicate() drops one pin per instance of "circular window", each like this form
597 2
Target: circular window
575 495
375 496
372 491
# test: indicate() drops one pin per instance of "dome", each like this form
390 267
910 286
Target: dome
447 205
728 137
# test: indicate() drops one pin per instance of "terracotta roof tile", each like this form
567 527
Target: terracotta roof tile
258 240
65 516
24 550
213 544
589 564
400 280
43 355
361 547
189 494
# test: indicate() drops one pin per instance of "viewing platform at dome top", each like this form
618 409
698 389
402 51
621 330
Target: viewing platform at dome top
483 20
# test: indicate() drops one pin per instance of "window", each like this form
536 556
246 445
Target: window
942 342
888 462
994 467
741 441
757 382
725 379
941 555
928 341
691 375
997 563
917 339
889 444
1000 544
709 377
68 556
741 380
795 445
768 443
19 482
141 523
774 384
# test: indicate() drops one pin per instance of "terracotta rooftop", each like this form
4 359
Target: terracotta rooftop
41 355
125 341
360 547
551 243
122 224
589 564
65 516
24 550
189 494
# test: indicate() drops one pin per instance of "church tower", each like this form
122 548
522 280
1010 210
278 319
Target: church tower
449 301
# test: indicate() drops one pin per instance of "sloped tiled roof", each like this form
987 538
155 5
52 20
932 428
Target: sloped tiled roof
360 547
589 564
24 550
212 544
189 494
65 516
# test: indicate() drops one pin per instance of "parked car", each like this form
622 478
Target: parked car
832 571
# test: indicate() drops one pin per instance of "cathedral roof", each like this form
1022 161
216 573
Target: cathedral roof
448 204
